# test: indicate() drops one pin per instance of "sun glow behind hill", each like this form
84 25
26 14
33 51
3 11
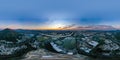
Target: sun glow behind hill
56 21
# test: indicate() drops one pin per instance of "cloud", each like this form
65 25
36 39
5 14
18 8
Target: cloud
29 19
68 26
95 27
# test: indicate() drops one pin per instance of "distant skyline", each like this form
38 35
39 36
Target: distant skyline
59 14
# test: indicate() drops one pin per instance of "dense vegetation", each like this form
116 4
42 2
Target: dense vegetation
9 35
117 35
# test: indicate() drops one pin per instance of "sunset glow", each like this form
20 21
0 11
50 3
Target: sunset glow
60 15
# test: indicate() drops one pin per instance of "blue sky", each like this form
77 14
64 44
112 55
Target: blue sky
38 14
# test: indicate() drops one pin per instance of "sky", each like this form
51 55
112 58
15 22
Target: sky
59 14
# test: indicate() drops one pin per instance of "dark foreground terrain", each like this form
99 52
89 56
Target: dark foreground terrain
59 45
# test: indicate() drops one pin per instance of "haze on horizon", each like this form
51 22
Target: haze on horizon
59 14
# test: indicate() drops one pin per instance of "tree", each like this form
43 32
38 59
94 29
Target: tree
9 35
